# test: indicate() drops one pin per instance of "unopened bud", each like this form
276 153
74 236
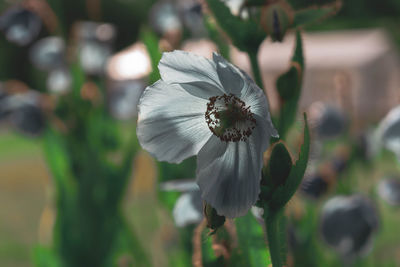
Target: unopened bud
280 164
276 19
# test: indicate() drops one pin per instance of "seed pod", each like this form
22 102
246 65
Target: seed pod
276 20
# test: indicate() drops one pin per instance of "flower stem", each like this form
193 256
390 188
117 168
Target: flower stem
273 231
256 69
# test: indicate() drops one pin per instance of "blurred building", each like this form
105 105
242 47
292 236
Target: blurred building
353 70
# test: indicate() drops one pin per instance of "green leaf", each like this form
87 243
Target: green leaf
150 40
252 248
168 199
78 79
57 160
289 89
183 170
298 56
287 83
44 257
315 13
127 243
246 35
284 193
216 37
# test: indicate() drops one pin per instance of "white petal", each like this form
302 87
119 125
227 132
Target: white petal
258 214
230 76
255 98
229 177
184 67
171 122
202 89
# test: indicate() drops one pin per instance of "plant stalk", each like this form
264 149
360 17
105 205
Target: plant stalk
256 69
272 227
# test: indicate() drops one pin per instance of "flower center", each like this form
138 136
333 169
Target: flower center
228 118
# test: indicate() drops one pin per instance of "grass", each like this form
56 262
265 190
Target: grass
14 145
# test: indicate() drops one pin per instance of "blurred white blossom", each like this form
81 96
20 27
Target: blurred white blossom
388 132
48 53
188 208
348 225
389 190
59 81
21 26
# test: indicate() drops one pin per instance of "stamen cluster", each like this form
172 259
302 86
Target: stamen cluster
229 119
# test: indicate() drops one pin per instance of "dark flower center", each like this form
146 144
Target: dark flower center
228 118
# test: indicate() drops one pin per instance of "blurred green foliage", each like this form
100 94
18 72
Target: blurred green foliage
252 250
89 184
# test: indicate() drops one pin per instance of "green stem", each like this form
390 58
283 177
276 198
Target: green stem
273 231
256 69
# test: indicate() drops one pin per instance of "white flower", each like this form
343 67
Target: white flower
215 111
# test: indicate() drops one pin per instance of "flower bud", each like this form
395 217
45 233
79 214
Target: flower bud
214 221
276 19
